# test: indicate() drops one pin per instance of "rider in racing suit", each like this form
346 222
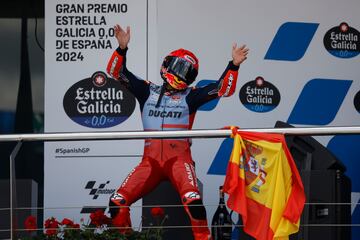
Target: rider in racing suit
171 106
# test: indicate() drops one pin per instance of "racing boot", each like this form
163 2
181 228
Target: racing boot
120 213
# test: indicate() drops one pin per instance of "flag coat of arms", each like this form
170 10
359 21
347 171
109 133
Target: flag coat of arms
264 185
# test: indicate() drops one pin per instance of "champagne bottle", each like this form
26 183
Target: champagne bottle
221 224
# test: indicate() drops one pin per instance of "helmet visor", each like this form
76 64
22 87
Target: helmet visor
181 68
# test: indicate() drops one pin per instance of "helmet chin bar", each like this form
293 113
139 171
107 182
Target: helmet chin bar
175 82
172 80
168 86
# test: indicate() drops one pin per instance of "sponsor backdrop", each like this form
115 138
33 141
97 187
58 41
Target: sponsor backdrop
81 98
302 69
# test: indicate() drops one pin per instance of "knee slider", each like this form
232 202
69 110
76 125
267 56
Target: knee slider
193 202
116 200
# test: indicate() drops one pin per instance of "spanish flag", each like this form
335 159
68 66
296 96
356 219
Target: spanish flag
264 185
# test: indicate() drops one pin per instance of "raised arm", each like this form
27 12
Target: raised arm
117 69
228 79
226 85
117 62
239 55
122 36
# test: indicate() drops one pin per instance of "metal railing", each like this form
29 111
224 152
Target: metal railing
127 135
220 133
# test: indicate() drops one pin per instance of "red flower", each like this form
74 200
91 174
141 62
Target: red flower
76 225
30 224
51 226
157 212
98 218
69 223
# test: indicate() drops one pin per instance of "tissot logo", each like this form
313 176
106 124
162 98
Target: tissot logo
342 41
98 102
259 95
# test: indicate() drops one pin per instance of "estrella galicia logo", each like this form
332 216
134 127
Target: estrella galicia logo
357 101
342 41
100 190
259 95
98 102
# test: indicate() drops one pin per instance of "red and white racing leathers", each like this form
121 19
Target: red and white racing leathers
166 159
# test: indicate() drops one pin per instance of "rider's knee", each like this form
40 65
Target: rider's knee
117 200
194 203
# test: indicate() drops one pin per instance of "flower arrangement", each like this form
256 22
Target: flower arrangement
100 227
